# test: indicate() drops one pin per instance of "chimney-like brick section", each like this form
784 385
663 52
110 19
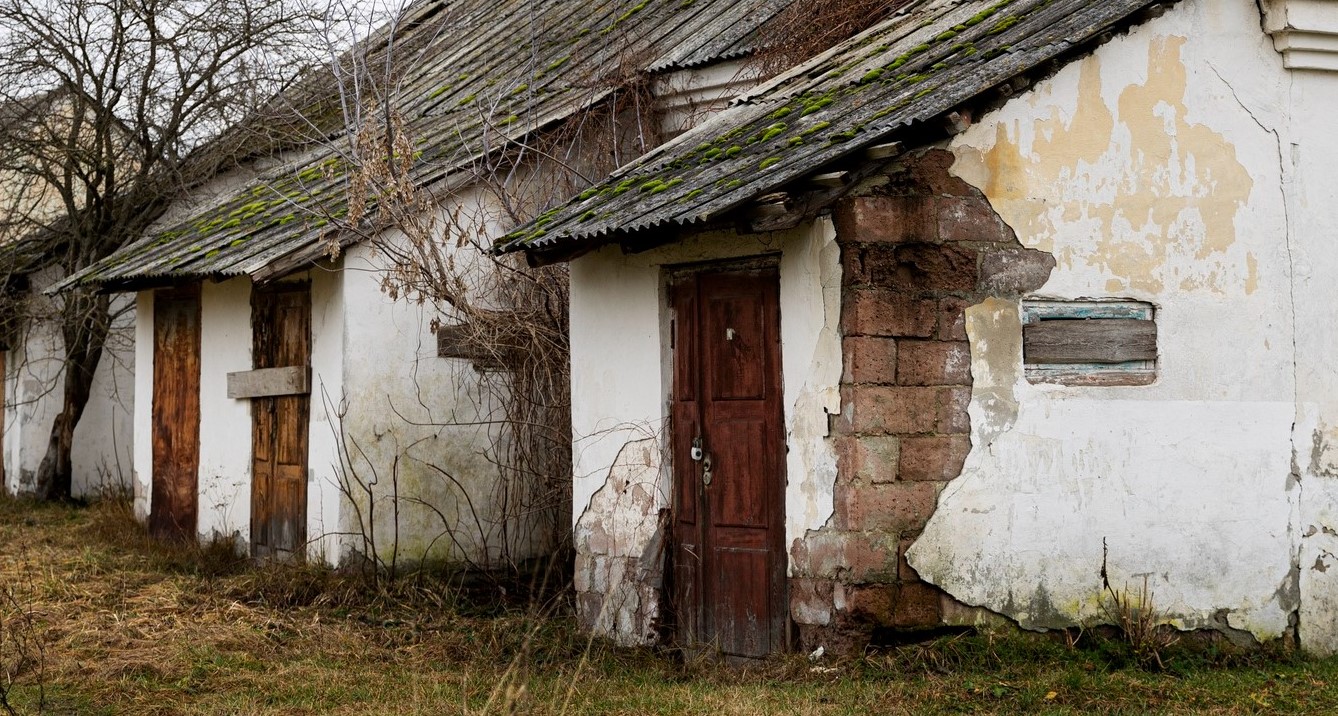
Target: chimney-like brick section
915 255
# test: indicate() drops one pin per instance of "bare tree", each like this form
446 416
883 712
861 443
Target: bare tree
110 108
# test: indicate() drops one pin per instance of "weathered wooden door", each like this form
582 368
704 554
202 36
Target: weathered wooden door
729 466
176 412
281 330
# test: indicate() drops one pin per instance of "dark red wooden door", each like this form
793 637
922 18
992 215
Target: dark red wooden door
176 412
729 566
281 330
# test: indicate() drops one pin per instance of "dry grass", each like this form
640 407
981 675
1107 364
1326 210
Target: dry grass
131 626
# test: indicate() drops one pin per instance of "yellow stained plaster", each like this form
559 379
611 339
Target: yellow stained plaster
1140 179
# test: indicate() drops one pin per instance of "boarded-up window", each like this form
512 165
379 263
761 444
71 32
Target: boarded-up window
1089 342
461 341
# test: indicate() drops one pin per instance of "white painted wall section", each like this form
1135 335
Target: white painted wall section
225 424
34 396
419 424
328 347
1152 170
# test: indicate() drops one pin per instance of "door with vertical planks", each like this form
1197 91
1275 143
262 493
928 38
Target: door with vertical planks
729 463
281 337
176 412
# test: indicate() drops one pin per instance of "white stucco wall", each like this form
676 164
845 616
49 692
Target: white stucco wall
225 424
1152 170
620 388
1312 208
34 394
328 346
408 410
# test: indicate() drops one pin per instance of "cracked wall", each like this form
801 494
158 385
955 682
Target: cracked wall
1150 170
918 246
621 368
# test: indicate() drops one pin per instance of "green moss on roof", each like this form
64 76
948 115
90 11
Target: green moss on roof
625 16
520 88
781 113
772 131
815 129
768 163
557 63
815 105
987 13
733 151
438 92
469 99
1004 24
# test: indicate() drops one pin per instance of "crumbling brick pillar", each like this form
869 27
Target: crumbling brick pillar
915 253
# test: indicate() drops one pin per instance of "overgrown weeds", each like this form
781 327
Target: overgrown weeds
1141 625
130 626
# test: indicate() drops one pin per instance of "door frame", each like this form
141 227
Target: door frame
679 443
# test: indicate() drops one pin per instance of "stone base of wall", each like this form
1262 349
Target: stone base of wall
915 253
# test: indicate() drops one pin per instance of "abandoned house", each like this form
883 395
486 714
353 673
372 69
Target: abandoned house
289 394
992 312
32 347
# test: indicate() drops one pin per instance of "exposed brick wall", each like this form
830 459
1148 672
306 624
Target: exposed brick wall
915 254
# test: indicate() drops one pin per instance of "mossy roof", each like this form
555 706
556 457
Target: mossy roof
484 73
927 59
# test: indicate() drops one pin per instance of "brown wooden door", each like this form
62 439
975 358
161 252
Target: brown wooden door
729 566
281 330
176 412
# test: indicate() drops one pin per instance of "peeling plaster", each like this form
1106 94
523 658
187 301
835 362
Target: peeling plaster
1130 169
619 300
1136 168
619 542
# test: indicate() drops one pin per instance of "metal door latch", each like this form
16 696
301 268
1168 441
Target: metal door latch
706 470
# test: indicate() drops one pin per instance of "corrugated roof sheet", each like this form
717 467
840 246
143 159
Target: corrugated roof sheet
930 57
489 73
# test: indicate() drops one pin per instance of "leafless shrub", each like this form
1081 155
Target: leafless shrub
22 650
108 108
434 241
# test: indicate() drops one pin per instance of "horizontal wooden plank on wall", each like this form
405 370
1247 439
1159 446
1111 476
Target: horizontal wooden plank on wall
1098 340
268 382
